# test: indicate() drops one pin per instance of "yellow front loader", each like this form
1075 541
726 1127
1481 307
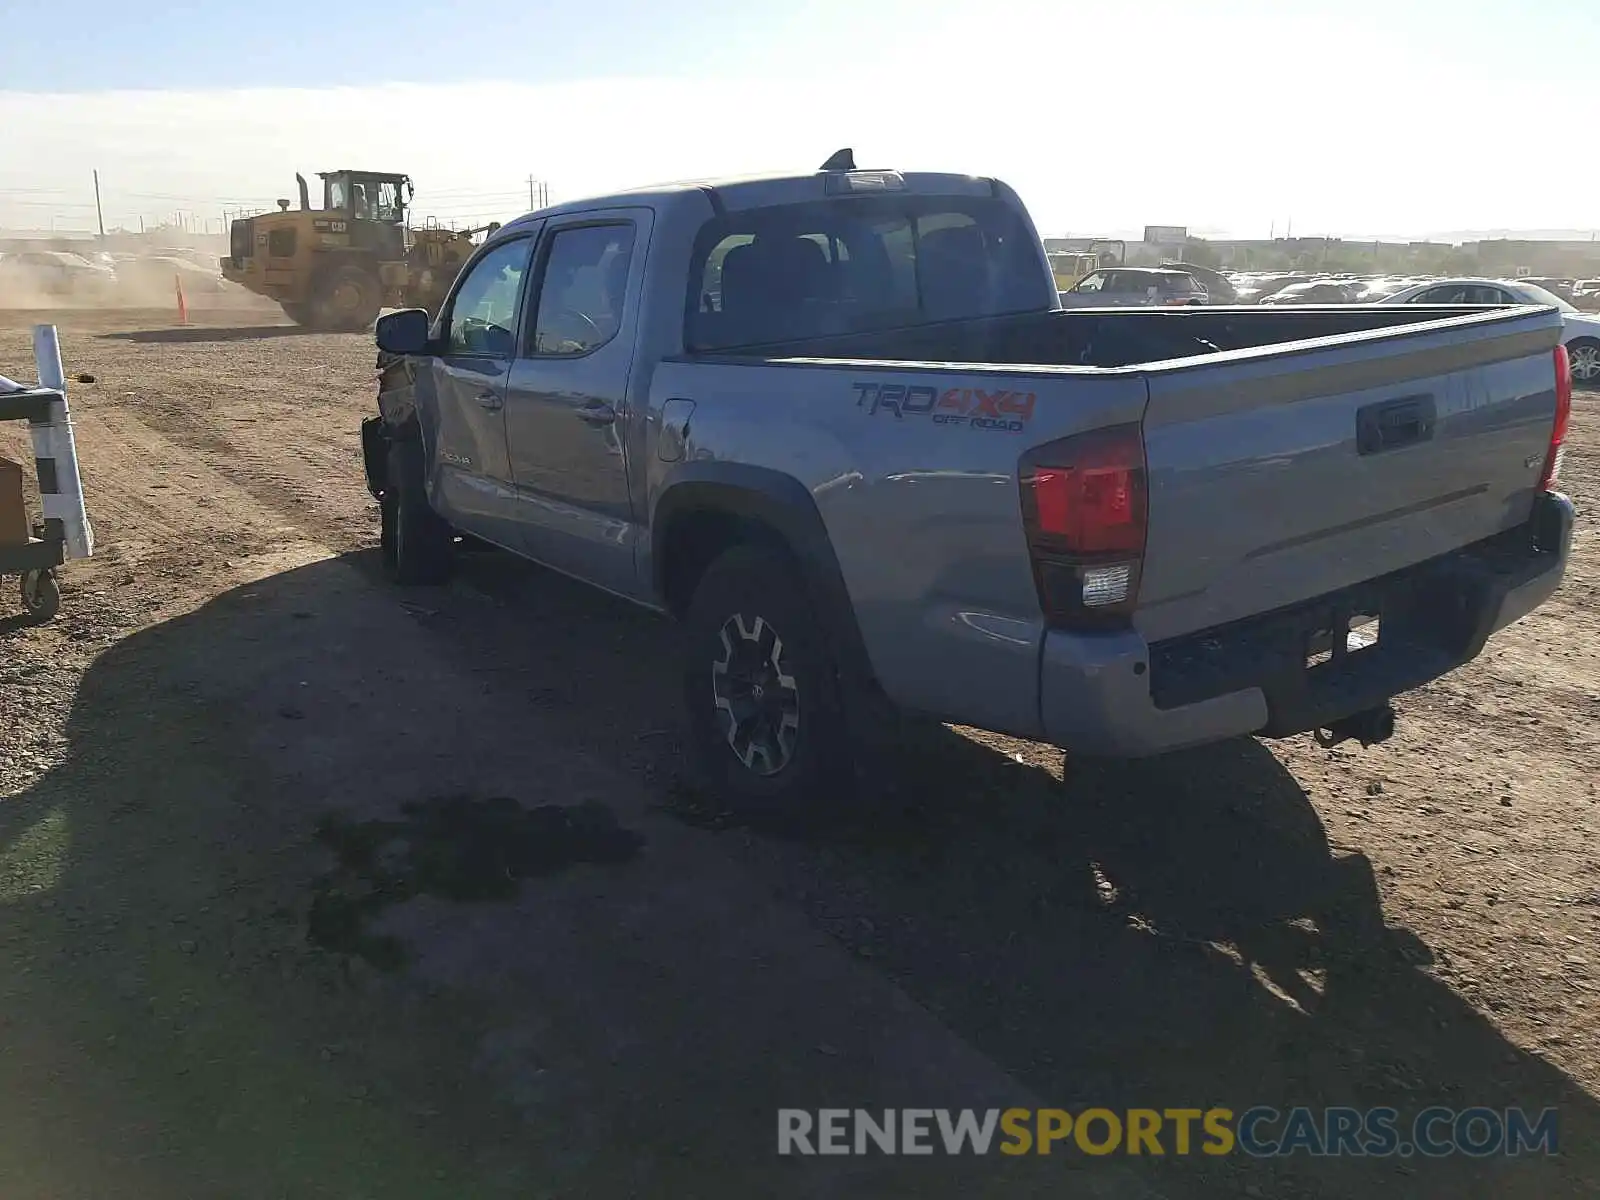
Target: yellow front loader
336 266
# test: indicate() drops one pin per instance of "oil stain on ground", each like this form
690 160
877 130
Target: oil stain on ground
453 847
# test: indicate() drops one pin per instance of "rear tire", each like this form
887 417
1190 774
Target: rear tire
300 314
768 737
418 546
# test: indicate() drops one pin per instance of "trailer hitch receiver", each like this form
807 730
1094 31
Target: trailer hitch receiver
1369 727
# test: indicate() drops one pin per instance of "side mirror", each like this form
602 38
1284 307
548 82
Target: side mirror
403 332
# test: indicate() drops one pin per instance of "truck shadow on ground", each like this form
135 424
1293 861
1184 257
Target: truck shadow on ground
1139 931
1175 933
192 334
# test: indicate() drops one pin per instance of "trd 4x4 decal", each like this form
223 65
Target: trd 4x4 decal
1005 411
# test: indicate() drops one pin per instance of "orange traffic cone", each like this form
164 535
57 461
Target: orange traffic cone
183 306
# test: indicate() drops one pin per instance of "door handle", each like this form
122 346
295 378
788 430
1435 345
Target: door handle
491 401
597 414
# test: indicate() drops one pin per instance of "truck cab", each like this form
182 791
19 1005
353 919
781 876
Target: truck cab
374 206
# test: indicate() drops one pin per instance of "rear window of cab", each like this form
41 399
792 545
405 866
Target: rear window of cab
857 264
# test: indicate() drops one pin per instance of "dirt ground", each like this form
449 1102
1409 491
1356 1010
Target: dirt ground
260 934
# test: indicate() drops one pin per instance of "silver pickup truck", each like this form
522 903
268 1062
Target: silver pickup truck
838 425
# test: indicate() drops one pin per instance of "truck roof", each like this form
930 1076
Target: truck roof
735 193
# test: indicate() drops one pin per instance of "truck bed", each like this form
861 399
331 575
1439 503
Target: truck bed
1113 337
1276 471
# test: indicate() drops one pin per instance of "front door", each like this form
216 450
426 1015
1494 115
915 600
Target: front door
473 486
567 403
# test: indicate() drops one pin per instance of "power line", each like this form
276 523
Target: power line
47 203
458 205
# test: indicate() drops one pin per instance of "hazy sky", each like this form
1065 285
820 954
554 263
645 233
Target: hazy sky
1348 116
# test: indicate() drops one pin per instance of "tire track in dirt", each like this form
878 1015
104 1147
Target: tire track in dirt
290 467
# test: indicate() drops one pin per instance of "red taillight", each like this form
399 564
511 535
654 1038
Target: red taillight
1084 505
1558 432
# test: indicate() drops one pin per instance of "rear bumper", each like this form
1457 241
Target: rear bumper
1114 694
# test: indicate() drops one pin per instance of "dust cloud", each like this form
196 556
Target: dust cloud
135 285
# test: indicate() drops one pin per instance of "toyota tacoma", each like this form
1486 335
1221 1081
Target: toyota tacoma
839 425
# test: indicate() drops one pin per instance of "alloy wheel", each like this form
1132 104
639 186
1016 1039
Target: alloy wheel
757 700
1585 361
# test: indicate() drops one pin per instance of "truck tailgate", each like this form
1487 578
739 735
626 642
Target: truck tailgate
1289 472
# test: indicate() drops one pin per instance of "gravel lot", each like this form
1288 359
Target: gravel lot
248 947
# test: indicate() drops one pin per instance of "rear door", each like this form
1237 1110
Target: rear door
1281 474
1088 292
1181 289
1125 288
567 399
478 326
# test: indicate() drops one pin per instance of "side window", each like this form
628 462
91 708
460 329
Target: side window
483 315
388 201
1436 295
581 295
1091 283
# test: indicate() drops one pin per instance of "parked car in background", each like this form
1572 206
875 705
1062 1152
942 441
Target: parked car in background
1587 294
1559 286
1374 290
1121 287
53 274
1315 291
190 255
153 272
1258 287
1219 288
1580 331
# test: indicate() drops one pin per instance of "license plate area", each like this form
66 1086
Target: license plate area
1391 633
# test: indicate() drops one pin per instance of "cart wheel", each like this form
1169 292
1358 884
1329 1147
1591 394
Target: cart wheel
41 597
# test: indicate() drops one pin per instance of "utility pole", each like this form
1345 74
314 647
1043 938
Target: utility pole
532 203
100 215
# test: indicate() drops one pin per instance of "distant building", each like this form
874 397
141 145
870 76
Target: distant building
1563 259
